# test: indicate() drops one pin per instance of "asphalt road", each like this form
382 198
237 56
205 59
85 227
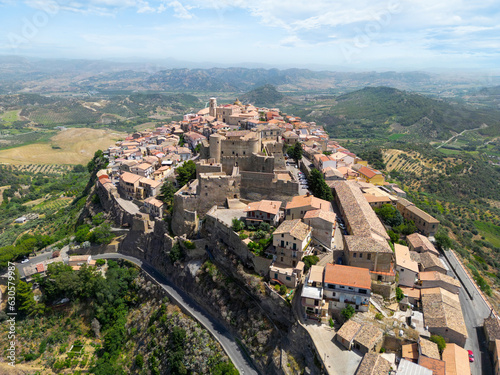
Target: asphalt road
295 173
227 341
34 260
474 311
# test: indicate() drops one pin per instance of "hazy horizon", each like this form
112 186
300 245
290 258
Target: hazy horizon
394 35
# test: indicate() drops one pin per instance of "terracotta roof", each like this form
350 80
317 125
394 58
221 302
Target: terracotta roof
311 200
40 267
143 166
428 260
403 258
359 215
442 309
153 201
435 365
316 273
295 228
150 182
429 348
369 335
271 207
411 292
374 199
492 326
421 243
438 276
368 172
325 215
348 330
360 244
373 364
410 351
130 177
456 359
350 276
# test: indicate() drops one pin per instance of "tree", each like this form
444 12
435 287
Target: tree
394 237
443 241
98 162
167 192
440 341
389 215
295 152
197 149
318 186
224 368
25 299
139 360
102 234
348 312
282 290
176 253
238 225
98 219
82 233
309 260
399 294
186 172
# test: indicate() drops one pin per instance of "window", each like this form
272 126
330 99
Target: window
354 255
288 278
362 291
282 235
331 286
276 275
368 256
361 255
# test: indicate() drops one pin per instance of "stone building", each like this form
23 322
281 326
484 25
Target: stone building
344 285
425 223
443 315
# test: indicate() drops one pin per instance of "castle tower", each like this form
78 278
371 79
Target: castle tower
213 105
215 147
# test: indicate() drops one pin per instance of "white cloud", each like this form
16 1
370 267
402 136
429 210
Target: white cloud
180 11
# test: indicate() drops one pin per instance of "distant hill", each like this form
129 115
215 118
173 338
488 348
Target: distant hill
266 95
18 73
383 111
490 91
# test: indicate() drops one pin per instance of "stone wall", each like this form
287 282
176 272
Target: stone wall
256 186
252 162
394 344
386 290
108 199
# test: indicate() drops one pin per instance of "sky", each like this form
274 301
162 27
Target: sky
350 34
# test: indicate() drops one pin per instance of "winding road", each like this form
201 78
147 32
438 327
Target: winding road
458 135
226 339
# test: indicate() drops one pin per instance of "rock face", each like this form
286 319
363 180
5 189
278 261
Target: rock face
262 321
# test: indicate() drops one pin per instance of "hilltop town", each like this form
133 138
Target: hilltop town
257 188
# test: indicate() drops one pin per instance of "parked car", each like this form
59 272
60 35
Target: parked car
25 260
471 355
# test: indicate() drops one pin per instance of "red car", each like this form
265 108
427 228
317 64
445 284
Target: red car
471 355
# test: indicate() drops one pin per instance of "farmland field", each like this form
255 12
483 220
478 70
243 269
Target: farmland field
489 231
71 146
10 116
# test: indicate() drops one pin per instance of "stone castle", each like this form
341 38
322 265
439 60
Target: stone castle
233 165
